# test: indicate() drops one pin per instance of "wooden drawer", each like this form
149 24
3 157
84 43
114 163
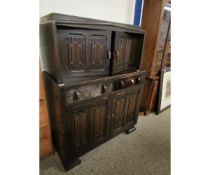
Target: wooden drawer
45 141
102 86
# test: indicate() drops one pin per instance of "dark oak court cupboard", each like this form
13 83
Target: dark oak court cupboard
93 81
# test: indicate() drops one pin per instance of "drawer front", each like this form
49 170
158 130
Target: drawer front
98 88
88 91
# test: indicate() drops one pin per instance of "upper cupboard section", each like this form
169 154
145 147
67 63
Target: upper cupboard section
74 47
86 52
127 51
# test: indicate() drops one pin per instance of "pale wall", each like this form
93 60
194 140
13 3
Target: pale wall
112 10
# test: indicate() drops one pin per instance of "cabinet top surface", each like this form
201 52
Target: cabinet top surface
61 19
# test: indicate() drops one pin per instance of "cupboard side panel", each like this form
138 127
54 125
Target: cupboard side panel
49 50
56 116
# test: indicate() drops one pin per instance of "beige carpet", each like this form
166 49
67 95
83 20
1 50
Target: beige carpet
143 152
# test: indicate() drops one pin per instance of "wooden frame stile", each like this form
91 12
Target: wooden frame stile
163 64
155 21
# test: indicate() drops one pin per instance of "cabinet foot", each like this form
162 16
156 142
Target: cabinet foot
72 164
146 113
131 130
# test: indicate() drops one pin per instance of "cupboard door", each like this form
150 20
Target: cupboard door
118 113
99 121
99 48
85 52
88 124
122 52
79 128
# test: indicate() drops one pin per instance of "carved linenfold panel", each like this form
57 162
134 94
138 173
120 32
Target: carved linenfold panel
98 114
85 92
120 49
76 51
123 48
127 50
116 121
98 49
119 113
97 122
103 114
80 128
131 106
73 51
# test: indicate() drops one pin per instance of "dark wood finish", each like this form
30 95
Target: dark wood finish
84 51
87 47
118 113
124 109
127 51
156 23
92 79
82 124
150 89
151 17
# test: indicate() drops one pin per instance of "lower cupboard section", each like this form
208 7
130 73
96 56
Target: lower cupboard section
83 125
91 124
